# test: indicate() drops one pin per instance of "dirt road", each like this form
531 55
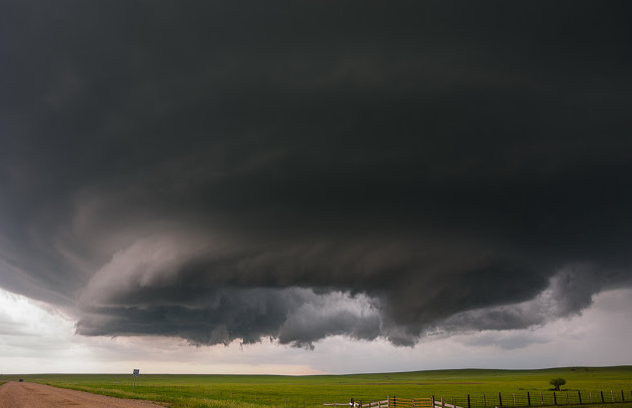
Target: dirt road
30 395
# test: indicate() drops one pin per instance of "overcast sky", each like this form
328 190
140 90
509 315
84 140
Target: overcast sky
292 186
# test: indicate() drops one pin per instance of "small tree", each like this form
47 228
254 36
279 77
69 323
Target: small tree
557 382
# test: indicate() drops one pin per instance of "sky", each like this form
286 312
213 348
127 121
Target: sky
305 187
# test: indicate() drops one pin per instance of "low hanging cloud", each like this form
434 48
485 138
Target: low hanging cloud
153 281
220 171
570 291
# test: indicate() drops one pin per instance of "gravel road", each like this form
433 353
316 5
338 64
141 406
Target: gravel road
30 395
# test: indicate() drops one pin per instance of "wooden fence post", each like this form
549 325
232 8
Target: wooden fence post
468 401
602 400
442 403
528 398
579 394
622 397
500 400
554 398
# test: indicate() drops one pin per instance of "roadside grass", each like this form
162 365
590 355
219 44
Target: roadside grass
255 391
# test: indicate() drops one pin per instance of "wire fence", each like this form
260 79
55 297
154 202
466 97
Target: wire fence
538 399
503 400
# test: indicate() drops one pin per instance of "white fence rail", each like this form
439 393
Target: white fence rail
441 404
393 403
373 404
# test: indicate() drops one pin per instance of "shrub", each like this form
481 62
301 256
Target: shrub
557 382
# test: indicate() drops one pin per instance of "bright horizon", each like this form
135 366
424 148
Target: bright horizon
316 375
598 336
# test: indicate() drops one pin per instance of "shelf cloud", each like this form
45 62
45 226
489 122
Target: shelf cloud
302 170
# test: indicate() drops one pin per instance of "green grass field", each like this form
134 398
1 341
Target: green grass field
244 391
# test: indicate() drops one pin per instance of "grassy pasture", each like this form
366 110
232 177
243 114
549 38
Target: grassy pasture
255 391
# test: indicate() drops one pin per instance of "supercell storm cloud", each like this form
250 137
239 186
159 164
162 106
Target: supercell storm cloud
296 170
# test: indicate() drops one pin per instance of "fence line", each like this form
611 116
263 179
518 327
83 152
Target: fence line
500 400
442 404
353 403
376 404
411 402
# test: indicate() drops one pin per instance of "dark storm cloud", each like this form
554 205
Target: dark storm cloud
239 170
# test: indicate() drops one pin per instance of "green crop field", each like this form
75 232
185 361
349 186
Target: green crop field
454 386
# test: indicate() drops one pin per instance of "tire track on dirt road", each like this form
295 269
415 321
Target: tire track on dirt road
31 395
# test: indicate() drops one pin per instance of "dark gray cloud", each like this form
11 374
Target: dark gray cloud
302 170
569 292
